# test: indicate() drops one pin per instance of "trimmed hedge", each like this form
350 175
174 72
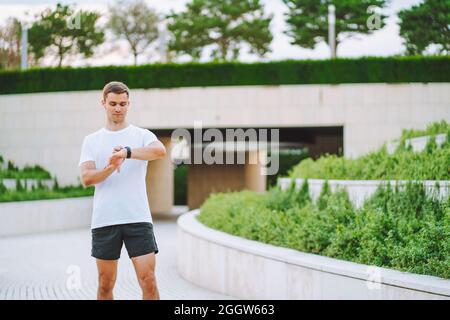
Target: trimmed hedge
362 70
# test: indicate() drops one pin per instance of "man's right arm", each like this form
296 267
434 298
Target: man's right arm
90 175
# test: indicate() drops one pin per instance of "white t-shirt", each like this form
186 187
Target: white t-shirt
122 197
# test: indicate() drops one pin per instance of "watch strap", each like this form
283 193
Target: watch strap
128 152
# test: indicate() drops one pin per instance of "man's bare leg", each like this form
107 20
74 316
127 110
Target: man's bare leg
145 272
107 273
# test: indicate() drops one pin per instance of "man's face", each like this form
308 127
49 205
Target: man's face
116 106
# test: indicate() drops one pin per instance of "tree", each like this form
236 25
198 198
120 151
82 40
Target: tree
136 23
10 35
226 24
63 32
308 20
426 24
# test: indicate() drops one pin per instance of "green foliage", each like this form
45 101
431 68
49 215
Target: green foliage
225 24
279 200
308 20
399 228
11 166
432 129
38 191
28 172
180 184
361 70
287 159
40 186
19 186
432 163
65 32
425 24
55 185
42 192
3 189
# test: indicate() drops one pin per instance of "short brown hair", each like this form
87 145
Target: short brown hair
115 87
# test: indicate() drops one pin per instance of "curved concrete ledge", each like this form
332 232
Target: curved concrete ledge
359 190
253 270
24 217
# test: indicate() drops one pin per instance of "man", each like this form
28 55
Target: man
114 159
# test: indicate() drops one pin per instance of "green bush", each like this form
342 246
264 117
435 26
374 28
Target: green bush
28 172
287 159
19 186
432 129
361 70
432 163
398 228
11 166
42 192
3 189
180 184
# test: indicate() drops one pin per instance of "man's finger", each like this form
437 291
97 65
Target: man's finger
118 148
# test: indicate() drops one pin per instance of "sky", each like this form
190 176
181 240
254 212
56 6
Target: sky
384 42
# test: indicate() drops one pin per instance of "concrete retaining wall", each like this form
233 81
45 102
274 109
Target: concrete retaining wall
24 217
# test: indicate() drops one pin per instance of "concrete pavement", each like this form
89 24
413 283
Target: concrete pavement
58 265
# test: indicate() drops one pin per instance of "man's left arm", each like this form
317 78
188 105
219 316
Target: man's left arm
153 151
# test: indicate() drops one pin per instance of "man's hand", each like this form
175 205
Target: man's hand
119 155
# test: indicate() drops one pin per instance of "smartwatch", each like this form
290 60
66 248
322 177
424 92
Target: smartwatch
128 152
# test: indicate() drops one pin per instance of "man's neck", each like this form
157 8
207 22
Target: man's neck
116 126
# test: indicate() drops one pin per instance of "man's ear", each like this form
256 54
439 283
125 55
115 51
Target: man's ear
103 102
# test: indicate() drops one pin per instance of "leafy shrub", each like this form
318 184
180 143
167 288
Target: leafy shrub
399 228
28 172
180 184
3 189
44 193
432 129
287 159
432 163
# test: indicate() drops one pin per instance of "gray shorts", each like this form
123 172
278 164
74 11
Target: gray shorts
138 238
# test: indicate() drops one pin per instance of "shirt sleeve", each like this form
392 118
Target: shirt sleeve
86 152
149 137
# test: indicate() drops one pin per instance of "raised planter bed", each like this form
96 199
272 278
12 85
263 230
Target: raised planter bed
249 269
360 190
